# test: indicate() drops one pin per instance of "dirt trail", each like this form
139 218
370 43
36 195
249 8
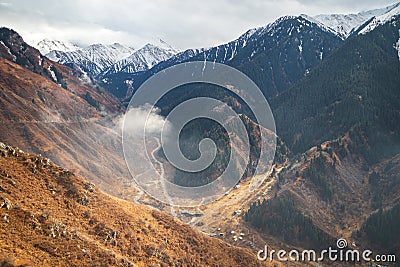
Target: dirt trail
162 175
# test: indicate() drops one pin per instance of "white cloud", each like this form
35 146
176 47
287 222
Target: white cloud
184 24
137 120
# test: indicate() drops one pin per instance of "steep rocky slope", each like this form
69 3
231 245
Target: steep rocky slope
16 50
51 217
63 117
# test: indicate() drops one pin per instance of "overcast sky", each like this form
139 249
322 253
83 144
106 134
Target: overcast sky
181 23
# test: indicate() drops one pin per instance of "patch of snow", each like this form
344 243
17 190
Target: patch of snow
344 24
9 51
94 58
381 19
53 75
290 31
397 46
142 59
85 77
233 52
164 46
204 64
106 55
226 51
47 45
129 82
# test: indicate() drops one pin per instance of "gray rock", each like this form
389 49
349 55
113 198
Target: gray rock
5 203
89 187
84 200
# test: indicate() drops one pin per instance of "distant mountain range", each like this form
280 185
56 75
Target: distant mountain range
285 51
275 56
141 59
98 59
345 24
45 46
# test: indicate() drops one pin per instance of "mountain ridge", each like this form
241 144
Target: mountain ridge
99 59
92 59
340 122
345 24
277 48
140 60
122 77
47 45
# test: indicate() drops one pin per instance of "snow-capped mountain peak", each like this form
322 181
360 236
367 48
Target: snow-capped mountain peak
345 24
379 11
94 58
265 52
342 24
47 45
165 46
143 58
106 55
259 40
381 19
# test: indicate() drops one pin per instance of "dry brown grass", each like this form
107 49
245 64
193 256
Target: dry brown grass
39 116
59 219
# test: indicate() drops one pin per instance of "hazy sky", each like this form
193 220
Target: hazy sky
182 23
